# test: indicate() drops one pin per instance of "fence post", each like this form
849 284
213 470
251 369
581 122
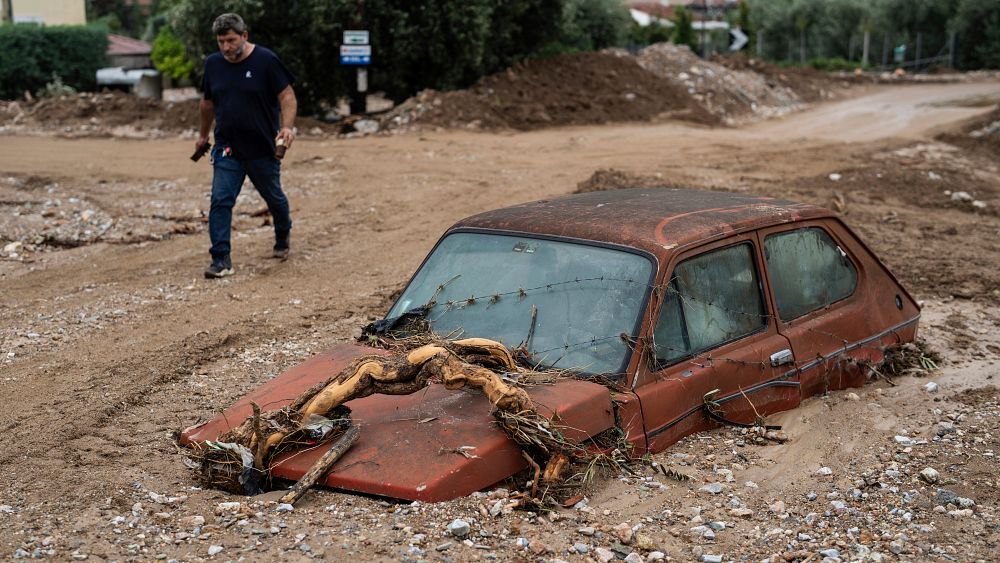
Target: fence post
951 50
885 51
916 58
864 54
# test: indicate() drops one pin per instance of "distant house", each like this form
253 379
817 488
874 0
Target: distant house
48 12
128 53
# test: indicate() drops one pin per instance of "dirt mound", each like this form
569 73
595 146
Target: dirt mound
808 84
732 95
574 89
116 114
103 114
981 135
611 179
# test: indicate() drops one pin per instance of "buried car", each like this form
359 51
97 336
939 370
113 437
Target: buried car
664 312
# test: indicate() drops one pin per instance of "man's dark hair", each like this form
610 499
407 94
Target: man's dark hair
229 22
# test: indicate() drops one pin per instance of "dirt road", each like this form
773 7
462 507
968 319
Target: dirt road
108 348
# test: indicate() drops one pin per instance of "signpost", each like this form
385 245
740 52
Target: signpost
356 51
354 55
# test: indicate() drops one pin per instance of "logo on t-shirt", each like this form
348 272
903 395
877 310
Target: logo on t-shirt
248 74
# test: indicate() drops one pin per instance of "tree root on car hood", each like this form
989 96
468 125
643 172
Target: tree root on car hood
238 461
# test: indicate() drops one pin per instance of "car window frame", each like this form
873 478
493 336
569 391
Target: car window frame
625 369
763 234
757 257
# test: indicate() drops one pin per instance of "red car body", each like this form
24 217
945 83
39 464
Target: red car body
408 444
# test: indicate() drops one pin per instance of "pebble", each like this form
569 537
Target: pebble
656 556
811 496
192 521
741 512
633 558
932 387
285 507
459 528
538 547
624 532
930 475
778 507
305 548
215 549
824 471
443 547
706 558
603 554
224 507
581 547
587 531
831 553
712 488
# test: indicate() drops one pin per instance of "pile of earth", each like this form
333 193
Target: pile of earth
115 114
736 88
807 84
662 81
569 89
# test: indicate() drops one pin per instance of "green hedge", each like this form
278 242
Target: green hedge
33 54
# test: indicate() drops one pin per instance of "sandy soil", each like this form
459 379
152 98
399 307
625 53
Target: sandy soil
110 343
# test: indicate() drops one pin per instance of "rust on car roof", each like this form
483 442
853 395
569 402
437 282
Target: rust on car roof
656 220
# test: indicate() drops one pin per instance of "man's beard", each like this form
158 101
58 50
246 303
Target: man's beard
238 53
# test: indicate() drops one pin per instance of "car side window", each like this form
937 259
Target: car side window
808 271
711 299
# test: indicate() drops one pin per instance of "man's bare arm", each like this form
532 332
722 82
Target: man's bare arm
207 112
289 107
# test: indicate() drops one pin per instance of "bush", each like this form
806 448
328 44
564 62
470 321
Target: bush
169 56
55 89
33 55
832 65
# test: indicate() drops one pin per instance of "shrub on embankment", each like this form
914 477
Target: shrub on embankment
34 56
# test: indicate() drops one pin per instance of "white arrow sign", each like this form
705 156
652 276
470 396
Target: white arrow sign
739 39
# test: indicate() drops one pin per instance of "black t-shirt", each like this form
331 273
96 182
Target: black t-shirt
245 96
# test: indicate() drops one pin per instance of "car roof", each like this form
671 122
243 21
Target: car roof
657 220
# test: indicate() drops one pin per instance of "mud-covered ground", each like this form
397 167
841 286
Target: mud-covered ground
111 341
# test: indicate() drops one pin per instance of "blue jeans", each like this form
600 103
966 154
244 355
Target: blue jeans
227 181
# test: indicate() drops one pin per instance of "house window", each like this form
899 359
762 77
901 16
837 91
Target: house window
808 271
711 299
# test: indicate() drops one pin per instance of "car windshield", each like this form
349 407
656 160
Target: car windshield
571 306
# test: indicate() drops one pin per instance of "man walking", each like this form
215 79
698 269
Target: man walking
247 90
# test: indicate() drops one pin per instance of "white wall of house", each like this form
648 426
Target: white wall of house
50 12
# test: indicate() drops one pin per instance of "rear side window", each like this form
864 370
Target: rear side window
712 298
808 271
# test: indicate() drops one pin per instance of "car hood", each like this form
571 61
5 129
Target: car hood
411 446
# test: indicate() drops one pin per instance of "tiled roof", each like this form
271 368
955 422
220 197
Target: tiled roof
121 45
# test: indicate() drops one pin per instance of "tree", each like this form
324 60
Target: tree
977 23
594 24
683 30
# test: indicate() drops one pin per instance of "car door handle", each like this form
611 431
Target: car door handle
782 357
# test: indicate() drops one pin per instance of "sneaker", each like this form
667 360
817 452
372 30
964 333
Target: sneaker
221 267
281 247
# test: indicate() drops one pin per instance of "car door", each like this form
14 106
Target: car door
713 340
834 301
